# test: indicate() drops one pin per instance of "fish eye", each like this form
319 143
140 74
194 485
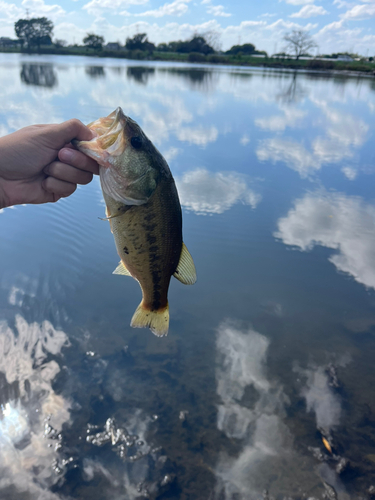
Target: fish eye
136 142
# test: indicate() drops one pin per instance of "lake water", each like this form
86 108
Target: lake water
272 349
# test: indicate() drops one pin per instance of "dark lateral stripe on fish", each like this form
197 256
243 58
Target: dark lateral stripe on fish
156 295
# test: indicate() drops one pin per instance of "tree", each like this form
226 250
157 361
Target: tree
246 48
213 39
139 42
93 41
23 31
299 42
59 43
195 44
36 31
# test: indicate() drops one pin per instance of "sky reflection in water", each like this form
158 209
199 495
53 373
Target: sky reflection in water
268 354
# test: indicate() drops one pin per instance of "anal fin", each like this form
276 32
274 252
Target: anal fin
185 271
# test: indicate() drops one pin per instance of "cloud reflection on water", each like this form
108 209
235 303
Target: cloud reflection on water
241 365
206 193
337 221
320 397
35 450
253 413
28 402
291 118
342 137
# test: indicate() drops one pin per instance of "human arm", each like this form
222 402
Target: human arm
39 165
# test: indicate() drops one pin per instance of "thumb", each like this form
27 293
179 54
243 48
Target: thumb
72 129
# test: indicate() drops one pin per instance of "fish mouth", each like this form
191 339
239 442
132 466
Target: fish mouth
110 138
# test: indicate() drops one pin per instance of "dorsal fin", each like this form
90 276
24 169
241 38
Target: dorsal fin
121 269
185 271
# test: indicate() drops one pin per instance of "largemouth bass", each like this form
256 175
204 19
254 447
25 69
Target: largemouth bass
144 212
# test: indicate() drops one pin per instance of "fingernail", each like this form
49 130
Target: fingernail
66 155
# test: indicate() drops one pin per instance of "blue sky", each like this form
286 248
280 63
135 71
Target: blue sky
336 25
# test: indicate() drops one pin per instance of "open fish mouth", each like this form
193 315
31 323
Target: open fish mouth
110 139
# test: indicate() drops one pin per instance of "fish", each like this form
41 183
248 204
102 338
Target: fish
144 212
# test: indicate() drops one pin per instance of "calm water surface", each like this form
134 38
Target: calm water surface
270 352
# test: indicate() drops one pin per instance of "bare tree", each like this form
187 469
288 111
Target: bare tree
299 42
213 38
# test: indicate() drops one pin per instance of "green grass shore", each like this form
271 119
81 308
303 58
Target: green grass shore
238 60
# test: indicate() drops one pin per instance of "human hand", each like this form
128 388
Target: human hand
39 165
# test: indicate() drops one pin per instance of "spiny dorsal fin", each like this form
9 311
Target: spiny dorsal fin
121 269
185 271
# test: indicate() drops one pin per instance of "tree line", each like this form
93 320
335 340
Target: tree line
37 32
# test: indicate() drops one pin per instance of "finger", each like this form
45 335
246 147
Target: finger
78 160
65 132
68 173
60 189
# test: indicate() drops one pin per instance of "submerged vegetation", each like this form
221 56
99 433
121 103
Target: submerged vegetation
35 36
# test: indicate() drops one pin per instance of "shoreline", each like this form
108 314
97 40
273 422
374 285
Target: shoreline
327 67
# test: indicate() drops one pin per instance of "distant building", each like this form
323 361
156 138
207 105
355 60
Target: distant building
7 42
112 46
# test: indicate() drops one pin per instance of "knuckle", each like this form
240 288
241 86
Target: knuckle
51 169
73 125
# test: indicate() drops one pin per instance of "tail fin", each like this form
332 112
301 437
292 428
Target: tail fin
157 321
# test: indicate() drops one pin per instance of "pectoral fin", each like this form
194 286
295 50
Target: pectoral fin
121 211
121 269
185 271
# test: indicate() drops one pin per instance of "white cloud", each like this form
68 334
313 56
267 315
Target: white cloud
349 172
320 398
176 8
294 154
360 12
258 428
343 223
245 139
38 8
336 25
24 352
336 37
206 193
217 10
197 135
343 133
310 11
291 118
299 2
342 3
3 130
11 12
171 153
97 6
344 128
280 26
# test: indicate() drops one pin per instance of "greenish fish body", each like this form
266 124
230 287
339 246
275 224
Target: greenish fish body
144 212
